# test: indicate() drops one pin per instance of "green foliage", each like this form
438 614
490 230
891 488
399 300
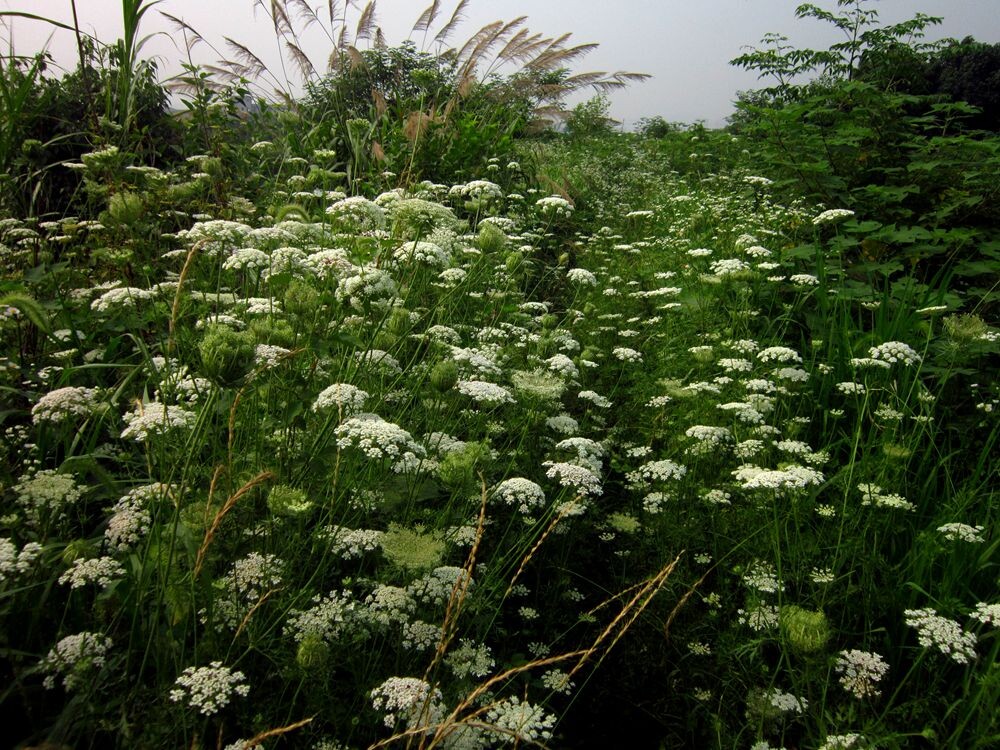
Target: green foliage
657 127
874 133
590 118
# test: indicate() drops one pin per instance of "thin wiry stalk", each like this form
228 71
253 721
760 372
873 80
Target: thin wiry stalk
226 507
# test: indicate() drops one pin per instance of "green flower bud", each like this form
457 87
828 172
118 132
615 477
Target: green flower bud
301 299
283 500
226 355
313 653
444 376
125 208
491 239
805 631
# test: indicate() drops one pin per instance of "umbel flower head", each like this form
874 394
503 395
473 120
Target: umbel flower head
409 701
64 404
209 689
77 658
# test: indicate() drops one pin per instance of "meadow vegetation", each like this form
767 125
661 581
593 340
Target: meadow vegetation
388 414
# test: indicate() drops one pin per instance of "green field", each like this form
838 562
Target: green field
392 414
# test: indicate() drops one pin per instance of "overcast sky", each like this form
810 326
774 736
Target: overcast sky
684 44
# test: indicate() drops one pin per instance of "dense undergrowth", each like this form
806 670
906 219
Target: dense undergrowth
591 432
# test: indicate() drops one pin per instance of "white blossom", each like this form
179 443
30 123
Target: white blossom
209 689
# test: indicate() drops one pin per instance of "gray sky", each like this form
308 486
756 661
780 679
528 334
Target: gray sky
684 44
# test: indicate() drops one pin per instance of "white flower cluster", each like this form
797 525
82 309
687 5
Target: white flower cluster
872 494
420 636
377 438
791 478
481 361
17 562
408 700
861 671
76 658
555 206
242 587
519 721
119 298
626 354
581 276
779 354
209 689
443 334
761 576
558 681
422 253
944 634
663 470
483 392
452 277
892 352
850 388
578 478
352 543
803 279
563 365
358 212
371 286
709 435
786 702
46 493
842 741
988 614
728 267
130 519
100 570
595 398
832 215
288 260
155 418
962 532
519 492
64 404
344 397
247 258
436 587
760 617
588 453
470 659
757 251
482 191
329 616
269 356
735 364
867 363
387 605
329 263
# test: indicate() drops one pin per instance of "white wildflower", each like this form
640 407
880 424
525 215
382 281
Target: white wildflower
64 404
860 672
944 634
344 397
209 689
76 657
100 570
